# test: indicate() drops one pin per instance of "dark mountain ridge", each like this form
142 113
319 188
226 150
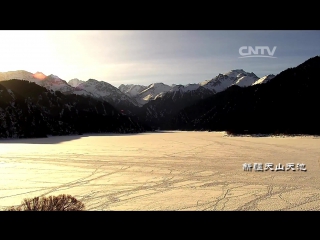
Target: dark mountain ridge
288 103
29 110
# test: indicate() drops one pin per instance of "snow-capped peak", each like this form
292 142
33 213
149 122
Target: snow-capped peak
156 88
123 88
75 82
54 76
186 88
131 90
235 73
55 83
151 92
105 90
234 77
39 75
245 79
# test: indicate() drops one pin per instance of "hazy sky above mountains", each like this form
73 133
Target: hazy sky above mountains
145 57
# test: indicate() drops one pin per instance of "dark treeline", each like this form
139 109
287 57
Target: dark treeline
29 110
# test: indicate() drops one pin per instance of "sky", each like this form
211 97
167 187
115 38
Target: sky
150 56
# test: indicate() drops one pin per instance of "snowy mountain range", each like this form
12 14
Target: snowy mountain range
159 102
51 82
91 88
239 77
152 104
233 101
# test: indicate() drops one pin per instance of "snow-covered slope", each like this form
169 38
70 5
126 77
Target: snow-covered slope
264 79
21 75
246 80
106 91
234 77
131 90
185 88
53 82
152 92
144 94
75 82
180 90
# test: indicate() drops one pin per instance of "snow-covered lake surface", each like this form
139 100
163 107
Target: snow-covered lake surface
163 171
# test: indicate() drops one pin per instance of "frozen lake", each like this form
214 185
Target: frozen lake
163 171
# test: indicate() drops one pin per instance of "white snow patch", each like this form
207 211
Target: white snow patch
264 79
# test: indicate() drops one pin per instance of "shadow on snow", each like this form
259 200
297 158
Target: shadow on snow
65 138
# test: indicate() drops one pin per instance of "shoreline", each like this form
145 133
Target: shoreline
223 133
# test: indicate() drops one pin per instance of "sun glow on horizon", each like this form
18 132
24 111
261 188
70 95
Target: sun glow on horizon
24 50
39 51
62 53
